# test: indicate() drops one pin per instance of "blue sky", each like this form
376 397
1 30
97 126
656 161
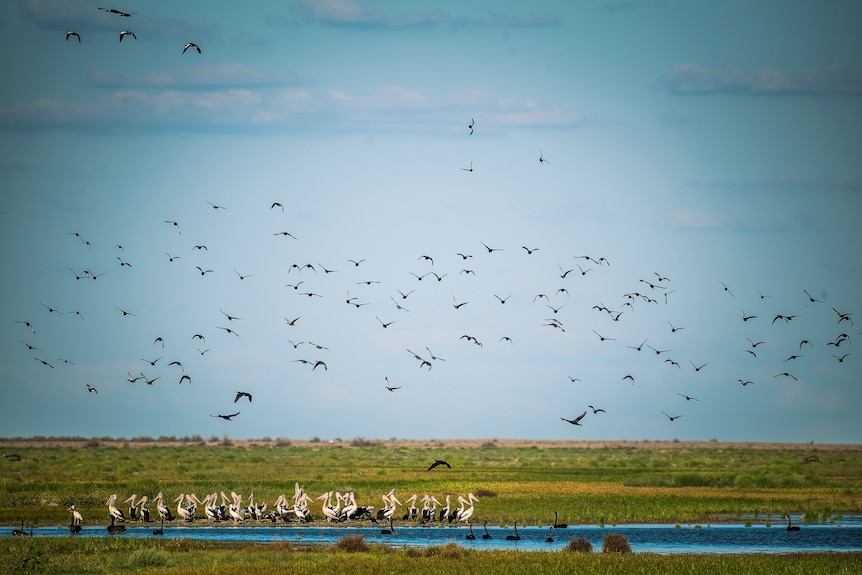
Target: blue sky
701 142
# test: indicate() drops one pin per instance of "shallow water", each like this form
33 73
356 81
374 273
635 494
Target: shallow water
723 538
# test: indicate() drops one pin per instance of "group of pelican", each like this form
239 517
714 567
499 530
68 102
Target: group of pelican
335 507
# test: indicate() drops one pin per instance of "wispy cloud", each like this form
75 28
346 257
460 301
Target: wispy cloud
786 183
692 79
229 74
226 98
356 14
61 15
699 219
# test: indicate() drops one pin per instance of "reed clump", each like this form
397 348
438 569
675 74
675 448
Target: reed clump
580 545
616 543
350 544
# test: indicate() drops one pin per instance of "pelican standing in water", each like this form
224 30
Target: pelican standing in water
77 519
117 514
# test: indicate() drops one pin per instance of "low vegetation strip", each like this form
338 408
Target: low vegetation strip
514 481
140 556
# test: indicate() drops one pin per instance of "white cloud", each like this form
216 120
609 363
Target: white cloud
365 15
217 98
695 79
228 74
695 218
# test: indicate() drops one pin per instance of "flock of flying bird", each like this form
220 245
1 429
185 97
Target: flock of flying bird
647 291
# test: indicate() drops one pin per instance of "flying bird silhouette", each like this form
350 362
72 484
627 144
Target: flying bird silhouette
575 421
437 463
191 45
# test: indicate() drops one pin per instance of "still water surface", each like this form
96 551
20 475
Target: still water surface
844 535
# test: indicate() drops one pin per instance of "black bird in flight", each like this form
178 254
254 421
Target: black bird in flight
226 417
812 299
192 45
728 289
240 395
437 463
389 387
575 421
470 127
491 249
117 12
542 159
672 417
688 397
277 204
75 34
470 169
127 33
596 409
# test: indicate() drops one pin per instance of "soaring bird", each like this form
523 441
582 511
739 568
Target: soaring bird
437 463
191 45
240 395
75 34
226 417
127 33
672 417
575 421
389 387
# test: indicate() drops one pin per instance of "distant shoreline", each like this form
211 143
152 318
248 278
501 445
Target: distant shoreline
138 442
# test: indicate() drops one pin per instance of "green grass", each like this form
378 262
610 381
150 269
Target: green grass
586 486
107 555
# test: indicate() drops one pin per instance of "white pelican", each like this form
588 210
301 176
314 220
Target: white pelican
389 512
412 511
133 508
433 512
444 513
466 513
210 507
235 510
329 510
112 510
143 512
350 506
182 512
164 510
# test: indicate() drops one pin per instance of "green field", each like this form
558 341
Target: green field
632 482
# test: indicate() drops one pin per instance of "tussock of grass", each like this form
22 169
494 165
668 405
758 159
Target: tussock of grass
141 558
580 545
448 551
616 543
350 544
480 493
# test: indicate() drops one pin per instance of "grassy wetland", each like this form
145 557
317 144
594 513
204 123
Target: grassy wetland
598 483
